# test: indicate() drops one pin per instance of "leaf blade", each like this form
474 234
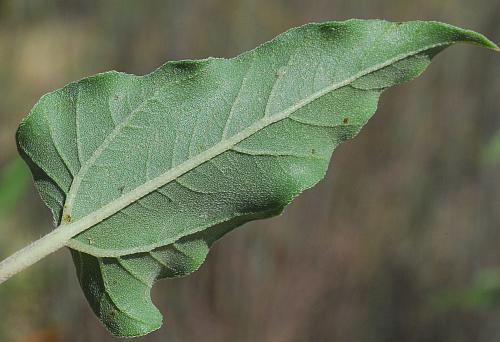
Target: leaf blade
197 148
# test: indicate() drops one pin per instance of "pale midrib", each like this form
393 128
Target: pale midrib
134 195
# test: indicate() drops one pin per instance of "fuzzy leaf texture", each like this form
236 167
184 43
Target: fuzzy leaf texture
197 148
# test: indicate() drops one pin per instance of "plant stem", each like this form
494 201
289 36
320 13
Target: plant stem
37 250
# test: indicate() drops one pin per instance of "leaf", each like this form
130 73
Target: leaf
156 168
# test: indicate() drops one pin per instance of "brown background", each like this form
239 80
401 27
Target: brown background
400 242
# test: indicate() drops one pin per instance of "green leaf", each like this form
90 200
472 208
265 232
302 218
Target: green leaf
158 167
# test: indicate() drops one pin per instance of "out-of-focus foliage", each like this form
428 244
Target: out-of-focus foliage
429 202
482 294
14 181
491 154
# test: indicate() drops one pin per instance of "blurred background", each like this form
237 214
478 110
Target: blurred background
400 242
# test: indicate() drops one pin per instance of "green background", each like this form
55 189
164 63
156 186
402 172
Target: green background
398 243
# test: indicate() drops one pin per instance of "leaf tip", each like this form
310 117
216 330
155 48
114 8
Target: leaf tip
485 42
478 39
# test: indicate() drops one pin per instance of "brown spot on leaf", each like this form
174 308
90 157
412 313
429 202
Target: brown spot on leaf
66 219
345 121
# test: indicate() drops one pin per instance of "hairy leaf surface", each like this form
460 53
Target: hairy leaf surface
165 164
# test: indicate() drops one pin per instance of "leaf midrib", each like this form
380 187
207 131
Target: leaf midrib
148 187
